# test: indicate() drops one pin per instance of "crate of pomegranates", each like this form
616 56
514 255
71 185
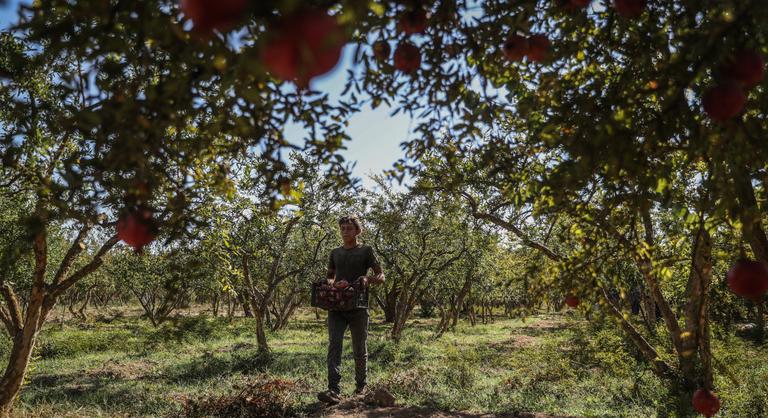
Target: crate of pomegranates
339 296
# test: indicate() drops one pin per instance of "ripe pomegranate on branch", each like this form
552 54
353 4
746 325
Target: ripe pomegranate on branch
303 45
137 227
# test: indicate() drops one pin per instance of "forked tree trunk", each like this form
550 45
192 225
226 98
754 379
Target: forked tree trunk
42 299
23 343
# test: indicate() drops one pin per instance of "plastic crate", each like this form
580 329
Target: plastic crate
330 298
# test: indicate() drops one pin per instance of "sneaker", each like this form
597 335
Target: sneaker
330 397
360 390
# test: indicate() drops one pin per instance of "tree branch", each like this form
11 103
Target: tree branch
74 250
58 289
14 309
660 367
512 228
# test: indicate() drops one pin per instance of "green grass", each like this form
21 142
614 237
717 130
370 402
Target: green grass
551 364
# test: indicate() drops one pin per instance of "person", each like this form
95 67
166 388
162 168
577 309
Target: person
349 262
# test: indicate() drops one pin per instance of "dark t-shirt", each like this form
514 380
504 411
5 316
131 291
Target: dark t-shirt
352 263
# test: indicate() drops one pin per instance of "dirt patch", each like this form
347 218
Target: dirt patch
541 327
547 324
124 370
516 342
521 341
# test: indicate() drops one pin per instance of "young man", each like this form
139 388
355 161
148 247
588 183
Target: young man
349 262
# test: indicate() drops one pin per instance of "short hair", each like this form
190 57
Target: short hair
351 219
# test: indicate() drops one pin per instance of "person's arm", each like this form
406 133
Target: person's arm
378 277
378 273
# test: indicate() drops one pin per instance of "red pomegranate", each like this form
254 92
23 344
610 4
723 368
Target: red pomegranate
705 402
572 301
137 228
210 15
381 50
515 47
724 101
341 284
580 3
629 8
413 21
749 279
303 45
407 57
746 67
538 48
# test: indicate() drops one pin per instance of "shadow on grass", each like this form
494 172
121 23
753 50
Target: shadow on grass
101 392
196 328
210 366
102 389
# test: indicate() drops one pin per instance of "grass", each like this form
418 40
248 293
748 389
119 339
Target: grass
556 364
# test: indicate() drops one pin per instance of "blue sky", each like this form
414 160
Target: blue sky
376 136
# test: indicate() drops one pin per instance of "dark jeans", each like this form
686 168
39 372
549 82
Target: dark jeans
357 320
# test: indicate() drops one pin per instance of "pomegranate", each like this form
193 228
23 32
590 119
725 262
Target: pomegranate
413 21
137 228
538 48
705 402
580 3
749 279
210 15
630 9
303 45
515 48
724 101
572 301
407 57
381 50
746 67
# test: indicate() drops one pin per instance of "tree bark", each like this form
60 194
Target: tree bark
695 356
261 336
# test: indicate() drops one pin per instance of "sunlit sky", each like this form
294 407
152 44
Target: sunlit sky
376 136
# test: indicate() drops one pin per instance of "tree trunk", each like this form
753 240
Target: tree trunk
261 336
444 321
246 306
760 322
390 305
215 304
471 314
23 343
649 310
456 308
695 356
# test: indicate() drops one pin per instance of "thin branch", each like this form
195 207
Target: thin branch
660 367
14 309
87 269
74 250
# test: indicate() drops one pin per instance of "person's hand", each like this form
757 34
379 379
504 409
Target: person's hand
363 280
